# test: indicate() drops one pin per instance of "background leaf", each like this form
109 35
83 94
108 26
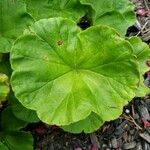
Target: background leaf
11 137
71 9
3 146
21 112
9 122
14 19
118 14
18 141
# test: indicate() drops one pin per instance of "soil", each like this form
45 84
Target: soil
130 131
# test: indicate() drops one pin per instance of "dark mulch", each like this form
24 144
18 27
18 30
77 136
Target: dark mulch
142 26
130 131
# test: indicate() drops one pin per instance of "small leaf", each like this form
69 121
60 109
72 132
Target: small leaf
142 52
65 82
12 22
4 87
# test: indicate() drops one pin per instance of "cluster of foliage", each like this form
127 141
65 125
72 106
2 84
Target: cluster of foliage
66 63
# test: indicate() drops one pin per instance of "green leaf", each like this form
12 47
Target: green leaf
3 146
4 87
71 9
18 141
21 112
11 137
142 51
118 14
9 122
65 74
13 20
88 125
5 43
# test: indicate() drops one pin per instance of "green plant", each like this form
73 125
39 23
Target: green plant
72 73
11 136
64 75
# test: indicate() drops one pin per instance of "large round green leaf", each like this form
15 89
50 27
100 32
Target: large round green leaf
71 9
65 74
13 20
118 14
142 51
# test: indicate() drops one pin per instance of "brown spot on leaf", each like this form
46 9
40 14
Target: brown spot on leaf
46 58
60 42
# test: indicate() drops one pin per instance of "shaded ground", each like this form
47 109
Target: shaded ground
130 131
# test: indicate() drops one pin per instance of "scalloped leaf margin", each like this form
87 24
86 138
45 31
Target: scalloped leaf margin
64 74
